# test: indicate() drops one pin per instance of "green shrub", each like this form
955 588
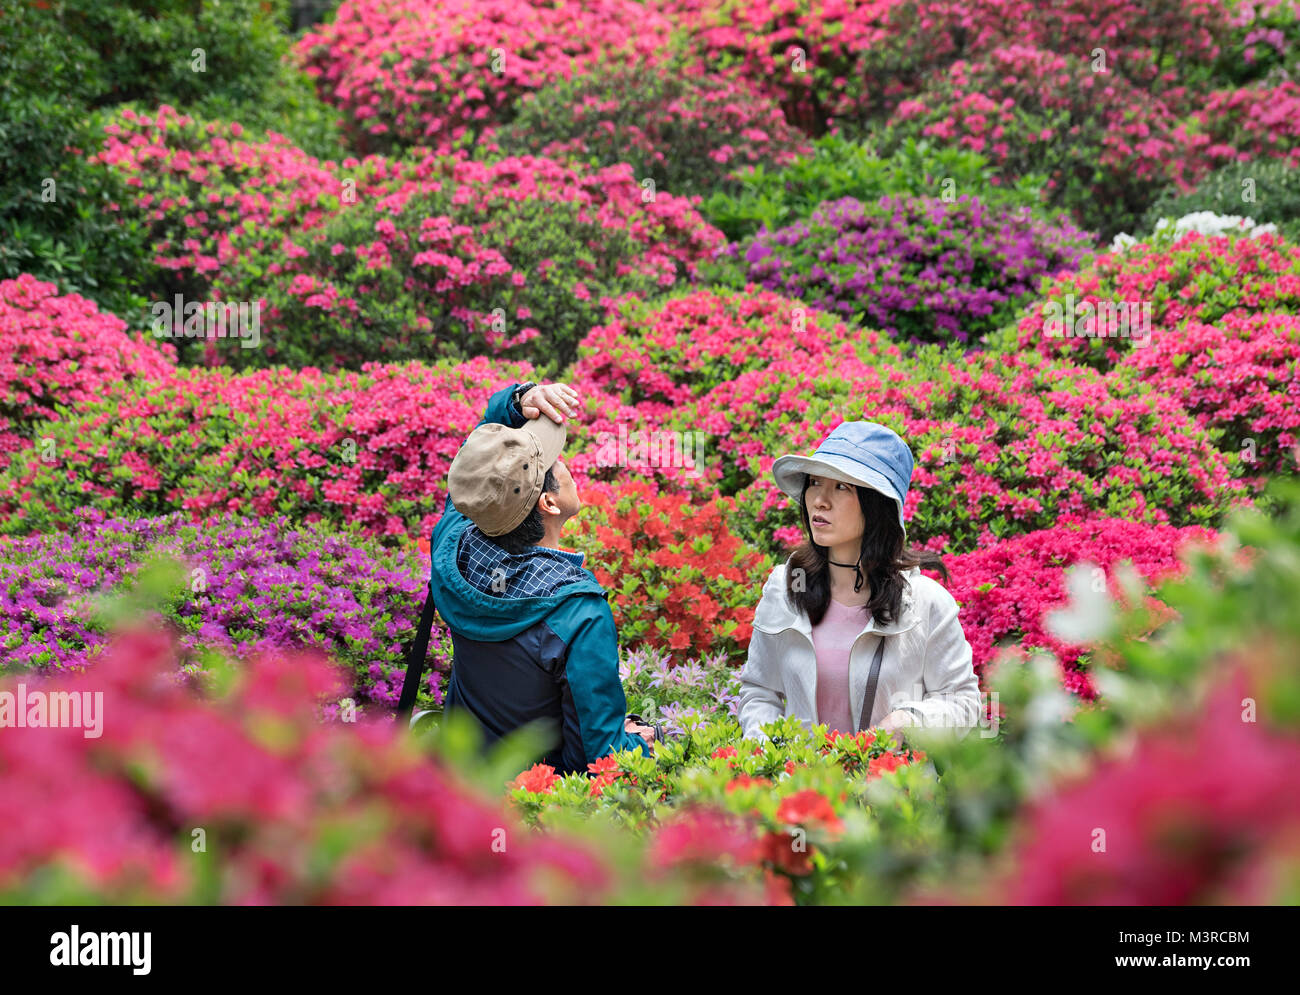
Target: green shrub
53 204
63 69
840 168
174 51
289 107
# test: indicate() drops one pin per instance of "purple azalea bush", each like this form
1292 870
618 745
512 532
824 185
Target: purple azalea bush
254 586
921 268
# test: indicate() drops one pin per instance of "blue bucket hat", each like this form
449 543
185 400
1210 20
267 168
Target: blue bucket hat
861 452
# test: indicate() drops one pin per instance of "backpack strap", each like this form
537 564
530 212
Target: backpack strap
415 656
869 698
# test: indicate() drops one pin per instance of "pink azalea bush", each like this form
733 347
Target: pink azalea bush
1222 337
657 355
1261 40
861 59
1261 120
857 58
651 357
687 130
1001 447
515 256
430 72
208 192
1197 277
1236 375
369 448
61 350
1039 110
1008 588
169 760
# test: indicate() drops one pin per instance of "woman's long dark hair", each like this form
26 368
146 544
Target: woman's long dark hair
881 561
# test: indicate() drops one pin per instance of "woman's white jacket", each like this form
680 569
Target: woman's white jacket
927 663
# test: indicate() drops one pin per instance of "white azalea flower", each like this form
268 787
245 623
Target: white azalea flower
1090 614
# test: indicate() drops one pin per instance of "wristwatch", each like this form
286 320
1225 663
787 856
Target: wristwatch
519 393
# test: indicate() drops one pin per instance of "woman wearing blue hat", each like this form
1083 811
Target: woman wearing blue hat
849 633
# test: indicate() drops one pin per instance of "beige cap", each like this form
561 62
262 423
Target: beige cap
496 478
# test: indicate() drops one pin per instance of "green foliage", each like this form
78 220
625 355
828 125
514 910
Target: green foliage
456 740
218 58
1274 186
843 168
63 66
174 51
53 205
1233 606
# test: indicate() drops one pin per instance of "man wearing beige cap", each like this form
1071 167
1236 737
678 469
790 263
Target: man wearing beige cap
532 631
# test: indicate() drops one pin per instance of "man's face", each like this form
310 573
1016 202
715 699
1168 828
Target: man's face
565 501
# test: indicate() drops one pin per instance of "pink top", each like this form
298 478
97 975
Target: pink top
832 640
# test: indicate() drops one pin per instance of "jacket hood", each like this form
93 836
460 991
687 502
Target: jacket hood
487 594
775 612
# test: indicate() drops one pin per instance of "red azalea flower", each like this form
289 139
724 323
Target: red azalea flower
600 783
604 765
864 739
807 806
723 752
606 773
745 781
782 851
886 763
540 778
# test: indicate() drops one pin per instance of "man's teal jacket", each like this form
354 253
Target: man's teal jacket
533 636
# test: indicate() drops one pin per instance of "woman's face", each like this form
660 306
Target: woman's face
834 512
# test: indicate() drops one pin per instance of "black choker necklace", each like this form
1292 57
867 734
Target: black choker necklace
858 577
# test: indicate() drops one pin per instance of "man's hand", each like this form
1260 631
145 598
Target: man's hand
556 400
645 732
